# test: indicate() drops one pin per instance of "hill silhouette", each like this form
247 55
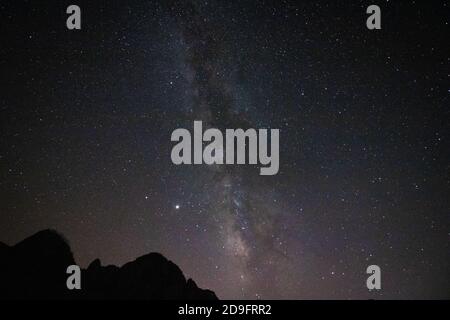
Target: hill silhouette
35 268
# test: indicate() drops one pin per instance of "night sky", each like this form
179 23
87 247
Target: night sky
86 118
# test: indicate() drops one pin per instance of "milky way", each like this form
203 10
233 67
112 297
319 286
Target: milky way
87 116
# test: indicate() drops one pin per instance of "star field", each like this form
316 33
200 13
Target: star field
86 119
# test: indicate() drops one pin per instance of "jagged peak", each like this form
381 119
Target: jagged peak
151 276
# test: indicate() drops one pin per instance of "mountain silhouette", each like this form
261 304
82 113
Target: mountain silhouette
35 268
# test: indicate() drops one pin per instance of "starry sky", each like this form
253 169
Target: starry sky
86 118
